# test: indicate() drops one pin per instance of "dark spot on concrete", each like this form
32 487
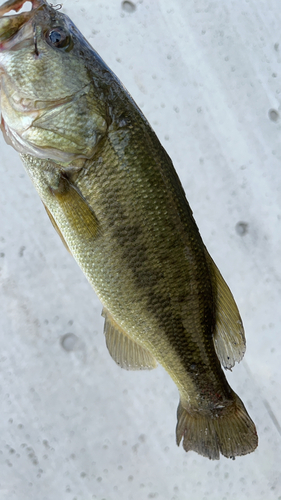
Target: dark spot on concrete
21 251
129 7
68 341
242 228
273 115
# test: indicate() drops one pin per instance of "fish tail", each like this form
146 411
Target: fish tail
229 431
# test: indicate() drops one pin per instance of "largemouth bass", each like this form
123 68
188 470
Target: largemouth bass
113 196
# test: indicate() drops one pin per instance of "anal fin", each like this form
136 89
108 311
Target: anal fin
125 351
229 337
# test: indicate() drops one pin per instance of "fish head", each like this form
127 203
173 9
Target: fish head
50 102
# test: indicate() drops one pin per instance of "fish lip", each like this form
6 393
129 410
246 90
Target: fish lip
10 25
17 5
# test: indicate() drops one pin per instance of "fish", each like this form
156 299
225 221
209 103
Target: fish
116 201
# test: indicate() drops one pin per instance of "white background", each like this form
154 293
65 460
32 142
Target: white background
73 425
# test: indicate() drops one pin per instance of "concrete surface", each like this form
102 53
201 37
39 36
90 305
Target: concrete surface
73 425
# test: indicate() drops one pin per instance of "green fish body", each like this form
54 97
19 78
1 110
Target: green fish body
112 194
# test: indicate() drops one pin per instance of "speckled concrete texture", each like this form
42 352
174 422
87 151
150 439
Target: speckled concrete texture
73 425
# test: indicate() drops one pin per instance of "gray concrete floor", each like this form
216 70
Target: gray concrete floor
73 425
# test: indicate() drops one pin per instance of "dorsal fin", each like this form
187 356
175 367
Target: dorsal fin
229 337
123 349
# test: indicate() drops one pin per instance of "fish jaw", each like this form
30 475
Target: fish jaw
10 25
17 5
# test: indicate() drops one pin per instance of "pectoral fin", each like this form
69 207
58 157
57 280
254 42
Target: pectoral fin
78 214
229 338
56 227
126 352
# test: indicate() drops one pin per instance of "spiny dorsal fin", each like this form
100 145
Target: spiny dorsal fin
56 227
126 352
229 337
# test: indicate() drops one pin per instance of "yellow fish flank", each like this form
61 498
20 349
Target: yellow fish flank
112 194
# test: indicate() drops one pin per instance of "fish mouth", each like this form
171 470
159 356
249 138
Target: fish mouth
10 25
36 112
17 5
15 31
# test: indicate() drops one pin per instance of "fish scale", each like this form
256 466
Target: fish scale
113 196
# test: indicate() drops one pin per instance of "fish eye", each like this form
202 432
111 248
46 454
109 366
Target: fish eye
57 37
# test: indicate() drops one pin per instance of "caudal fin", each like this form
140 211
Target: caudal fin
229 431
